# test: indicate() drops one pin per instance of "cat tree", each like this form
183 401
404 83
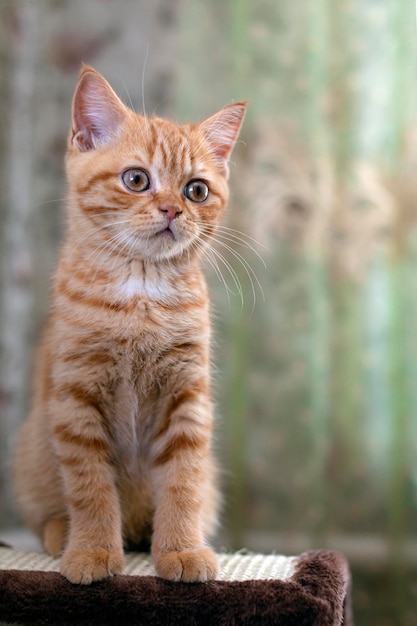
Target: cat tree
312 589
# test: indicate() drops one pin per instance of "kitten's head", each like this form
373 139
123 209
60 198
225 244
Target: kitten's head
148 187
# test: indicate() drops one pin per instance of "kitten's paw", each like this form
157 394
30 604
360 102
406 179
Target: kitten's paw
84 566
195 565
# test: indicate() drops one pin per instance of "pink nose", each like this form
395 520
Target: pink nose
171 211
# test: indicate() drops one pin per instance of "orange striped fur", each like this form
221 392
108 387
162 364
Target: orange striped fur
117 445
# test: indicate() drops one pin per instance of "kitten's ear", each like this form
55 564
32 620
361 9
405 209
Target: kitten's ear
97 112
222 130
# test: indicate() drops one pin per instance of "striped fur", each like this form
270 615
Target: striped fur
118 442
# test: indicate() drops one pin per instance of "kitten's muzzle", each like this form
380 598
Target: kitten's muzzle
171 211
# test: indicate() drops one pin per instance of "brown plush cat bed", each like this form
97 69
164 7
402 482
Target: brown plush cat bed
309 590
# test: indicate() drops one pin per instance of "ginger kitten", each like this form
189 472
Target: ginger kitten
118 442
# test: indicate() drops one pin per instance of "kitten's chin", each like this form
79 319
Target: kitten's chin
163 246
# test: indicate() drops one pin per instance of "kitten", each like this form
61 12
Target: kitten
118 442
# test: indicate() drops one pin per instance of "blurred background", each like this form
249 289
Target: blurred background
315 354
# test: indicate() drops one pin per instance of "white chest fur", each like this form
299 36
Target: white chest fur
134 287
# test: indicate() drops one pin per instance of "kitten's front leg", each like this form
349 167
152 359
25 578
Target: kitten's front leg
94 549
183 475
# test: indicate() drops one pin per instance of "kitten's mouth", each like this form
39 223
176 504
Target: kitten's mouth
166 232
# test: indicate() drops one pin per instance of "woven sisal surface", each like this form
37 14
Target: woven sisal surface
237 567
312 589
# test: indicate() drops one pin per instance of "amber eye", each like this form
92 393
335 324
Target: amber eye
136 180
196 191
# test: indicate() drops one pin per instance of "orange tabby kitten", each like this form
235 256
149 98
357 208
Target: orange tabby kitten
118 442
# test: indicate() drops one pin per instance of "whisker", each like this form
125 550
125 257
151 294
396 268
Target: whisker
230 270
39 204
199 245
251 274
242 235
128 95
96 229
220 239
143 79
118 240
240 242
144 114
215 266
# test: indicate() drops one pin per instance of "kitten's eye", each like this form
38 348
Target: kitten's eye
196 191
136 180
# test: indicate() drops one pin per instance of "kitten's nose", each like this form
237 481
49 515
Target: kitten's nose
171 211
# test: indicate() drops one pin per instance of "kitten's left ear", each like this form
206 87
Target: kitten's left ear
222 130
97 112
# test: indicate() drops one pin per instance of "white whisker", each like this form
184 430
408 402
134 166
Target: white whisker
239 242
250 272
128 95
243 237
207 252
92 231
40 204
228 238
232 272
143 79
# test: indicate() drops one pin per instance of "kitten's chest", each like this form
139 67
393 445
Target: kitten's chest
140 286
148 369
155 354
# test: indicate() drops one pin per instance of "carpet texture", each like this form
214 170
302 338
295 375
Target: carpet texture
312 589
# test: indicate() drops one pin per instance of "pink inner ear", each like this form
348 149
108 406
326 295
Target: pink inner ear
97 113
222 129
